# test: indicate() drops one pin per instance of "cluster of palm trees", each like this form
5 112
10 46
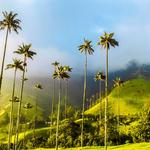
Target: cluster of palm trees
105 41
60 73
22 65
11 23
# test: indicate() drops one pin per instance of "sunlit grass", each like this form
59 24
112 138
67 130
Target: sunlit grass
133 96
138 146
29 133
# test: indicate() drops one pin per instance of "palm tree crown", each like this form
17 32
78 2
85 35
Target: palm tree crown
25 50
38 86
27 106
99 76
17 64
61 73
107 39
86 47
15 99
10 22
118 82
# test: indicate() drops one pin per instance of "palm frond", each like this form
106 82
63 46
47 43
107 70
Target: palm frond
107 40
24 49
17 64
99 76
38 86
86 47
10 22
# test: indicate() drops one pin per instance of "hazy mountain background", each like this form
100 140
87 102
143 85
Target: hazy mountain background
44 97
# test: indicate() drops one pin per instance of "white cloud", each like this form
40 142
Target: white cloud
134 42
100 30
41 65
12 45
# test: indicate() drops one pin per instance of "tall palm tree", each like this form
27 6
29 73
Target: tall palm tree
106 41
85 48
55 64
59 74
16 65
68 69
10 23
25 50
100 77
38 87
118 83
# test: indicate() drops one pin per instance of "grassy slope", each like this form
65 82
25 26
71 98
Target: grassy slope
138 146
27 97
127 102
5 109
133 96
29 133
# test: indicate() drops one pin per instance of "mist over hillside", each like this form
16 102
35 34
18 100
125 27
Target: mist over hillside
44 96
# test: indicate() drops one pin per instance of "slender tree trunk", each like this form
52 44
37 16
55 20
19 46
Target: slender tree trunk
20 104
106 100
35 119
118 111
100 108
52 107
58 113
66 99
84 98
11 113
24 136
3 61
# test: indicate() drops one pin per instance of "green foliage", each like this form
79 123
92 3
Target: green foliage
68 133
140 129
4 119
36 142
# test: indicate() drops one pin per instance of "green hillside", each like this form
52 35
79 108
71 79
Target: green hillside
134 94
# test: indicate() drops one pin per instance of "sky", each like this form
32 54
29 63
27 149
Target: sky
57 27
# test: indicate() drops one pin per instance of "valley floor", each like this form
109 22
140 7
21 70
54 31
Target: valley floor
137 146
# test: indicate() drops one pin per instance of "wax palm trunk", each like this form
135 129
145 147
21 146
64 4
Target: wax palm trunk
35 119
11 113
84 98
106 99
100 107
20 104
25 129
66 97
118 111
58 113
3 61
52 107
